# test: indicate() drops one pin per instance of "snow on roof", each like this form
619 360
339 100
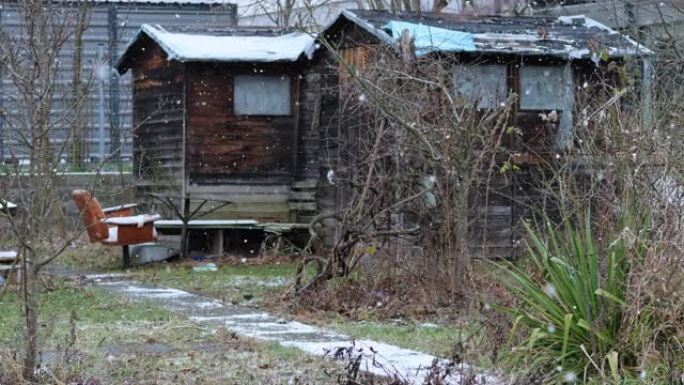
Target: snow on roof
568 37
226 47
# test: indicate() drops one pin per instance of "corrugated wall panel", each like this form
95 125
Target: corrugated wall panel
123 20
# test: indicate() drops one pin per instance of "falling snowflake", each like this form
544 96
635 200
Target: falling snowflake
569 377
550 290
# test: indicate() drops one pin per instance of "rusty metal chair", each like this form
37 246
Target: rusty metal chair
115 226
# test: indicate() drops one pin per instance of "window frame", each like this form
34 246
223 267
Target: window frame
478 71
286 78
557 93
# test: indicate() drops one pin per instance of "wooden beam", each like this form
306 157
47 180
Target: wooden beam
565 135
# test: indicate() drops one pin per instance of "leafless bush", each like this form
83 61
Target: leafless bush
30 64
414 167
355 370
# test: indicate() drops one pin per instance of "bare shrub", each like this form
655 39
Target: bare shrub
30 62
413 167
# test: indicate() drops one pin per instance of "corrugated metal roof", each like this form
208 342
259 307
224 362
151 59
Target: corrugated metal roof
568 37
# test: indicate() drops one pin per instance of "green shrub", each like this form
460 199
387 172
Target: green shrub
571 301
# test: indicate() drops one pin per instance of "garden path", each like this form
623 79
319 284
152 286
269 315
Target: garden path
376 357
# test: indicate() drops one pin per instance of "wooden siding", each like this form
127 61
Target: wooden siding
253 161
223 146
157 123
303 201
267 203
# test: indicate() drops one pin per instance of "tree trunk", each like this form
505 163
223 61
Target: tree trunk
30 317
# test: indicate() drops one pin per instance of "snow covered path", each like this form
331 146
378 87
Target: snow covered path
378 357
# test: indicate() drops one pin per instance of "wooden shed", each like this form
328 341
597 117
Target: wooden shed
247 115
222 115
542 61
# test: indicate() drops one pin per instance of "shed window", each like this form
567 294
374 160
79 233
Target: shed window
542 87
483 85
262 95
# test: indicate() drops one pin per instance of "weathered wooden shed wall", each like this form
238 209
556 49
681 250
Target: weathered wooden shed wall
304 202
222 145
158 122
249 159
267 165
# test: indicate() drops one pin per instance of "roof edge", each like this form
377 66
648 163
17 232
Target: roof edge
120 67
639 49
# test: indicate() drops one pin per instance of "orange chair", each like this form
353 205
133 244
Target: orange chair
115 226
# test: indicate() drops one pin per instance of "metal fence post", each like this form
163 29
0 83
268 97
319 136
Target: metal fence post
101 102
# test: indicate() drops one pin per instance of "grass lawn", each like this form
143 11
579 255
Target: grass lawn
245 284
89 306
92 257
118 341
256 284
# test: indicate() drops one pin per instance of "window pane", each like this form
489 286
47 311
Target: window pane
541 88
262 95
482 85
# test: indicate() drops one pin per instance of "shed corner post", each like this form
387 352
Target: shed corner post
646 92
565 135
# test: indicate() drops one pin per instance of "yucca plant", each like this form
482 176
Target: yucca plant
570 301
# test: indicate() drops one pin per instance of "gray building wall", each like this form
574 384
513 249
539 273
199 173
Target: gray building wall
659 24
111 26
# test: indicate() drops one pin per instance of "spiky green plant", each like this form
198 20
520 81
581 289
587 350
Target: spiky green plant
571 300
